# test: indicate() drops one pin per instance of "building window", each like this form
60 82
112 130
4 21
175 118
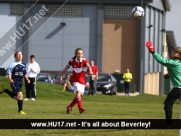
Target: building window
17 8
66 10
118 11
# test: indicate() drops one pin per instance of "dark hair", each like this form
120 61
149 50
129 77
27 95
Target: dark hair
16 52
32 56
78 49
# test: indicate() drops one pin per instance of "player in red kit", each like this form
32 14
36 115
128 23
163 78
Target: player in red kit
79 65
93 78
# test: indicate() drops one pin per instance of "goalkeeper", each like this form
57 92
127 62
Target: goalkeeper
174 71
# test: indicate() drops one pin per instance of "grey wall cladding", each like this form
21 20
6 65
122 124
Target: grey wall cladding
54 45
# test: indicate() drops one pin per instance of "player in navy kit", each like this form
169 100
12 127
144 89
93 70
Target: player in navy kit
16 72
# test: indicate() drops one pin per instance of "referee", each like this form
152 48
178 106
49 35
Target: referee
32 69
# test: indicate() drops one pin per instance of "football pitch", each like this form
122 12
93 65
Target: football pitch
51 103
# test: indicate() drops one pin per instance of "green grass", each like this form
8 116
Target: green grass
51 103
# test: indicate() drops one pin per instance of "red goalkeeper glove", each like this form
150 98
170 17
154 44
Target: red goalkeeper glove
150 46
166 75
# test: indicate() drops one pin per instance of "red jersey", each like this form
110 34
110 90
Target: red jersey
94 71
79 68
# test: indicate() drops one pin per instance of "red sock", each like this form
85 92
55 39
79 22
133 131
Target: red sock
73 102
79 101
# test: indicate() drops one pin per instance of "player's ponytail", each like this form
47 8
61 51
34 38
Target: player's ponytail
74 57
76 53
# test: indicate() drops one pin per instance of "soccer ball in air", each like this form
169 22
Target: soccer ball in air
138 12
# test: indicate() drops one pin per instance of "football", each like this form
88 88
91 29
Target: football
138 12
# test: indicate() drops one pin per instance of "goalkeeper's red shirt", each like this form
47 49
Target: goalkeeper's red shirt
79 68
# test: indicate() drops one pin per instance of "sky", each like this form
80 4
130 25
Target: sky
173 20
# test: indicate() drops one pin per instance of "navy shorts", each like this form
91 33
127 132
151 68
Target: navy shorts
16 88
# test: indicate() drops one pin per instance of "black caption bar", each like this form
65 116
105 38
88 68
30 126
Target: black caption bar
88 124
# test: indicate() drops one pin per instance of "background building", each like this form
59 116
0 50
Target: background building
104 29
